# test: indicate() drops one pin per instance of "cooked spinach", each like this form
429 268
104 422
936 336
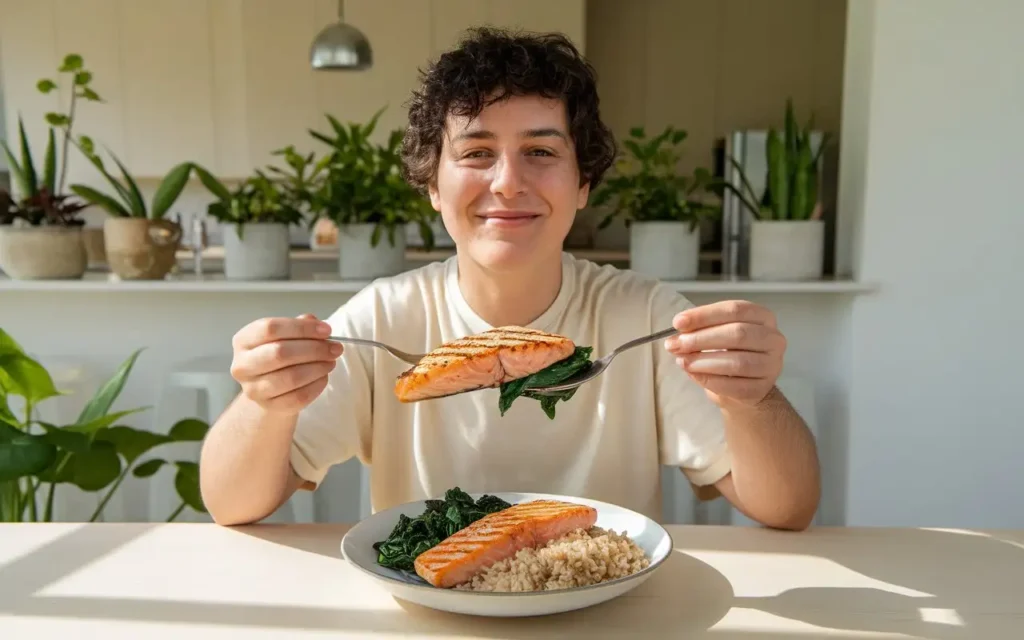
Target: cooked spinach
442 518
553 374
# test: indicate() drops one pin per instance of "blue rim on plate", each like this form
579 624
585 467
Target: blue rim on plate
411 579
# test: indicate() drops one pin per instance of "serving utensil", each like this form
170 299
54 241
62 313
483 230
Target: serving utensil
597 367
411 358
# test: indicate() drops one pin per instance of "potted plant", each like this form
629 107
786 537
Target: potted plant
364 194
94 454
140 242
787 234
40 231
662 209
257 215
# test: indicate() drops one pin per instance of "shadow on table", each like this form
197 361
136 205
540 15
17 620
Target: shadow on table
934 584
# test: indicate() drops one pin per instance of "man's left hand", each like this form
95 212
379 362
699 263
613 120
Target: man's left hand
733 349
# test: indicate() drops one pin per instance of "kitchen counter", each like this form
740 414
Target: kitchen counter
159 581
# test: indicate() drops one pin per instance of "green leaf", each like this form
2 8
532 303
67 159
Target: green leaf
66 439
27 166
57 120
186 483
169 190
102 200
189 430
22 376
72 62
46 86
92 427
24 455
100 403
91 95
20 179
138 203
212 184
131 443
82 78
96 468
50 164
148 468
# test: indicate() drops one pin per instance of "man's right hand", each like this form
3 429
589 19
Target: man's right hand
282 364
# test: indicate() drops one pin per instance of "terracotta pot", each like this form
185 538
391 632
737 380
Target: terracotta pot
141 249
42 253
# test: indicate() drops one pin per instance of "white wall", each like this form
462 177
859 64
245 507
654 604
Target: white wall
933 182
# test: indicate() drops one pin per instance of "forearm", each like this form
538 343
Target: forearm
776 478
245 473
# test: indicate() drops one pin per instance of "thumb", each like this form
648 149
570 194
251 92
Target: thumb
307 316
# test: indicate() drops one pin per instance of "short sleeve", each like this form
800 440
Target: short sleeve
691 430
338 424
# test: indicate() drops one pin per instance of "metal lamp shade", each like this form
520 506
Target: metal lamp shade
341 47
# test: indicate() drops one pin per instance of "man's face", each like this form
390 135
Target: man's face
508 186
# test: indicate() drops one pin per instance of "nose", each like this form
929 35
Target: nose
508 181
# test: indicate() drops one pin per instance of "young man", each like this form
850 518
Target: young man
505 136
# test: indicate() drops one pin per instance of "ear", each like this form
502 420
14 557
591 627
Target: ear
435 196
582 196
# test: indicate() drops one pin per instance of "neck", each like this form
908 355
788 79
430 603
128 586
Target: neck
515 297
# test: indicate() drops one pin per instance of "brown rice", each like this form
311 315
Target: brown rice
576 559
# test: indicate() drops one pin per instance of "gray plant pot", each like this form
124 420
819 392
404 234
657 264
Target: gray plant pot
42 253
664 250
261 253
357 260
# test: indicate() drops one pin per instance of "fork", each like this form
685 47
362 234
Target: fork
597 367
411 358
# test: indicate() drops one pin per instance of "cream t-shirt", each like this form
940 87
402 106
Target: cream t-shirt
606 443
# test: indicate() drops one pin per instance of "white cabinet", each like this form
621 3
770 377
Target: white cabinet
226 82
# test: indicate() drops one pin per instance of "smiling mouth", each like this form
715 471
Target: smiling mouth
509 216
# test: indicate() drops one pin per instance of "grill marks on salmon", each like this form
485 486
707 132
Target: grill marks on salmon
498 536
482 361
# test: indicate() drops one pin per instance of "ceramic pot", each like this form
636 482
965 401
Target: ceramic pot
42 253
261 252
141 249
664 250
357 260
784 250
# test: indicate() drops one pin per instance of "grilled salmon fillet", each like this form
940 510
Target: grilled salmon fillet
480 361
498 536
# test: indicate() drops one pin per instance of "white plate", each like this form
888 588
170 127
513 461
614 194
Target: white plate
357 548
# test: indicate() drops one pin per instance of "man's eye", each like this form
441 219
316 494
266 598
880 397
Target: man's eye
479 153
541 152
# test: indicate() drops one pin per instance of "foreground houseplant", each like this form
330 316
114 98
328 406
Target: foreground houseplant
662 209
258 213
95 453
364 194
787 234
40 231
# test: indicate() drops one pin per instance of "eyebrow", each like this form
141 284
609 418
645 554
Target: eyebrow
546 132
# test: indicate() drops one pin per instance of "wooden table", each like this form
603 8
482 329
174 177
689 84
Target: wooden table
197 581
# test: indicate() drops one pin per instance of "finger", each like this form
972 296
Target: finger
749 390
727 311
740 364
299 398
274 356
735 335
286 380
267 330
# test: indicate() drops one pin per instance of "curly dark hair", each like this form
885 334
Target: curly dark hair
490 65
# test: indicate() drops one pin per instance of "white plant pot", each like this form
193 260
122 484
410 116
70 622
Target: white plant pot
42 253
357 260
787 249
664 250
261 253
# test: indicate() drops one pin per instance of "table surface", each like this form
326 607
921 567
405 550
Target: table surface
183 580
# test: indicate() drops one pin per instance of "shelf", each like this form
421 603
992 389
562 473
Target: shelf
329 283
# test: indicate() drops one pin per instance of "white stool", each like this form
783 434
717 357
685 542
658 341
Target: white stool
78 381
210 376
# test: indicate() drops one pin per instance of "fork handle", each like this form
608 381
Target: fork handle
661 335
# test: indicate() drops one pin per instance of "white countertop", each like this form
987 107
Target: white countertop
157 581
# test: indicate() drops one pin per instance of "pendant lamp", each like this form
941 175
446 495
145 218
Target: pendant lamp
341 47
